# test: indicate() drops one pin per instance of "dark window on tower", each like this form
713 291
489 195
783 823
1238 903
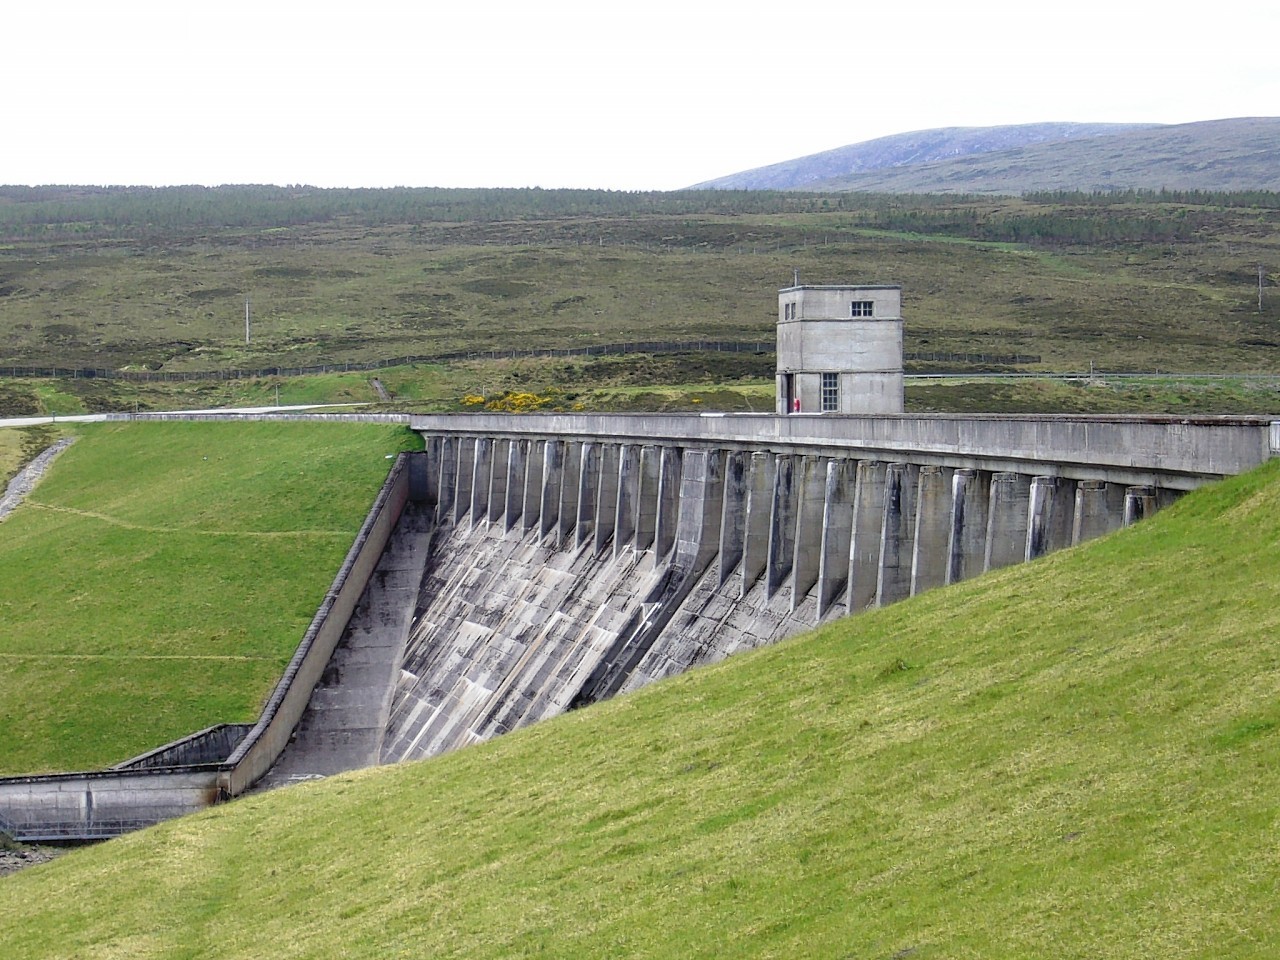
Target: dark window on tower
830 392
861 308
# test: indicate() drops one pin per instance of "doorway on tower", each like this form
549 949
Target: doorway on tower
790 399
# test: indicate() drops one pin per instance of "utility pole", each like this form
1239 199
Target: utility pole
246 320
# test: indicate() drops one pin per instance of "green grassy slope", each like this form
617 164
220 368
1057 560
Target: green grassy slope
1079 757
160 576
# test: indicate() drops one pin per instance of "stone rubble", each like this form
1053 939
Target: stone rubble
13 860
29 476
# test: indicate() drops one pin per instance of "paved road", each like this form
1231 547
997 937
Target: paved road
233 411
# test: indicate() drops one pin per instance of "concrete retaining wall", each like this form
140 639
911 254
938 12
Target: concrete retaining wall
167 782
212 745
98 805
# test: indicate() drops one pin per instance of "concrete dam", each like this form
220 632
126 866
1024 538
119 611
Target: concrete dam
573 558
525 565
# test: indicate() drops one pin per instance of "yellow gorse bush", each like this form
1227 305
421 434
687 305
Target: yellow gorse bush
518 402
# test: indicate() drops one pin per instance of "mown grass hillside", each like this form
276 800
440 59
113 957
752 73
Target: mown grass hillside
159 578
1076 758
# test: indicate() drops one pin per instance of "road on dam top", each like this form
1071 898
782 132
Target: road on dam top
225 411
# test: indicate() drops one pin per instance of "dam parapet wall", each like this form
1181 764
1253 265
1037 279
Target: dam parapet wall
1178 453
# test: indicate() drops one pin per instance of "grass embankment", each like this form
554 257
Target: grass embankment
159 578
1078 757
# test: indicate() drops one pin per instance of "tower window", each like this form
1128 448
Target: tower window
861 308
830 392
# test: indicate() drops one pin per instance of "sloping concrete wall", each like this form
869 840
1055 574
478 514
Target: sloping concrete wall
345 720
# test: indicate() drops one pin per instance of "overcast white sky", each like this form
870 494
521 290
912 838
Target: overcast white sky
655 95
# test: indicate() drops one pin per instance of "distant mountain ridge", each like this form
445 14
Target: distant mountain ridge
1235 154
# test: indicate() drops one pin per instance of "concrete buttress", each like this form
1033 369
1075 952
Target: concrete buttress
733 515
1051 512
837 534
531 497
669 493
967 531
447 484
811 499
627 498
1007 520
897 531
1139 503
481 480
517 467
647 496
755 544
929 556
864 547
465 475
588 491
606 519
553 454
499 473
782 525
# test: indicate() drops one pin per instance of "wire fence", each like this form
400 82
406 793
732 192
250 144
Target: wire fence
595 350
604 349
1005 359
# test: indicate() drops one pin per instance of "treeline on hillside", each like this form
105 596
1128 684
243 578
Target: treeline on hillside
154 213
54 211
1258 199
1066 218
1064 226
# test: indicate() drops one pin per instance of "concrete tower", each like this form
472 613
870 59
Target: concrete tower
840 349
